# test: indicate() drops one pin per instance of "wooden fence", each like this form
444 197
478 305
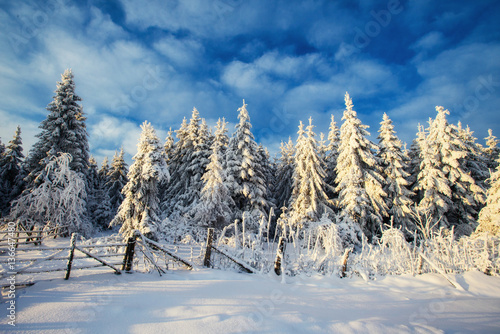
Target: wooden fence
16 234
181 254
56 255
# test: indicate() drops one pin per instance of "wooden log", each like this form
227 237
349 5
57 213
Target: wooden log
63 269
439 270
70 258
208 250
98 259
169 253
245 267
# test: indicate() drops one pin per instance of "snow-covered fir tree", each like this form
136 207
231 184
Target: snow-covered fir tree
414 157
104 212
359 183
197 163
140 209
105 171
92 186
474 163
63 131
220 136
11 172
489 217
449 194
265 170
188 164
284 175
394 166
2 148
214 207
322 146
309 200
58 200
177 168
491 150
331 158
432 185
99 203
117 180
169 145
246 186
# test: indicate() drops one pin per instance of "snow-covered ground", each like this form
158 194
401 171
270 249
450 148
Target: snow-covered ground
213 301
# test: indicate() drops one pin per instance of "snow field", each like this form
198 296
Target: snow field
213 301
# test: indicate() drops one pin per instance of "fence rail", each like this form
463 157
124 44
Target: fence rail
14 232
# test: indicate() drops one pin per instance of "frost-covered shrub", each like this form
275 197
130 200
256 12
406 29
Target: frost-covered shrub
59 200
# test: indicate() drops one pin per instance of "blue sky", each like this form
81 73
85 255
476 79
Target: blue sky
290 60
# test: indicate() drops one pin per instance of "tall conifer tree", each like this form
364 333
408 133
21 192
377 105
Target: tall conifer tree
359 183
140 208
63 131
11 172
394 166
309 200
244 182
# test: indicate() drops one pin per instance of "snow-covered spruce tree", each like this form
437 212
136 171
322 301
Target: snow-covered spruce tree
331 158
104 172
140 209
220 137
92 186
2 148
178 181
213 208
359 183
99 203
322 147
117 180
197 164
474 163
188 163
265 170
169 145
63 131
394 165
284 175
450 195
103 213
309 200
434 193
58 200
11 172
415 161
247 188
492 151
489 216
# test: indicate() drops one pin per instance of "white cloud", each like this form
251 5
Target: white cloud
184 53
429 41
115 132
465 80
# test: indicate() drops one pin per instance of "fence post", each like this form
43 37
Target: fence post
344 262
129 255
208 250
279 256
420 264
71 253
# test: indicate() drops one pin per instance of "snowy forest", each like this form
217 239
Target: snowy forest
336 191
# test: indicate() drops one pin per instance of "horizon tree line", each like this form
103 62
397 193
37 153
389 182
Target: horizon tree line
209 179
